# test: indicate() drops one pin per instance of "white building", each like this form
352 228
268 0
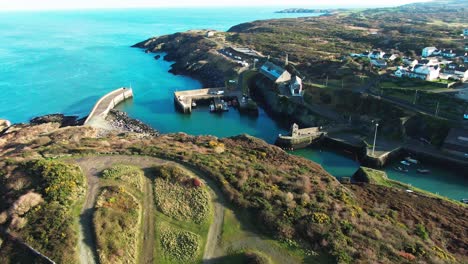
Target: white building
295 86
428 51
377 54
410 62
275 73
449 54
390 56
425 72
210 34
379 63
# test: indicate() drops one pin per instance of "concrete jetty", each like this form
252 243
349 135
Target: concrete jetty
105 104
184 99
299 138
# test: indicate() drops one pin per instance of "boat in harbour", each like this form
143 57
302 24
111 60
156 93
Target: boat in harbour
404 162
400 169
212 108
194 104
423 171
409 159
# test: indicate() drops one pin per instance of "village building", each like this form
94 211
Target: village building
459 72
379 63
448 54
377 54
428 51
296 132
295 86
429 61
390 57
456 142
210 34
275 73
420 71
410 62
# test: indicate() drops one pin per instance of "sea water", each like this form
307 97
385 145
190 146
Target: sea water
63 61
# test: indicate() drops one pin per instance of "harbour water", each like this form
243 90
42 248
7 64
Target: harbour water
63 61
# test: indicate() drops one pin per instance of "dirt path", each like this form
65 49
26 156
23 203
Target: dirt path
92 166
147 256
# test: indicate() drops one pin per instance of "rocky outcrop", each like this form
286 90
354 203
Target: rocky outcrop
63 120
194 55
121 121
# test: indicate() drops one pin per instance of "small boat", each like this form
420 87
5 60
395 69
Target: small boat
194 104
423 171
411 160
465 200
212 108
400 169
225 107
404 162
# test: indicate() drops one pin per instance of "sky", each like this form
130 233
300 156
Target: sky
6 5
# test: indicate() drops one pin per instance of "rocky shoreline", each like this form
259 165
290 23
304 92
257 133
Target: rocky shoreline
121 121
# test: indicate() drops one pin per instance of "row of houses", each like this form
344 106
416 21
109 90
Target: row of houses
432 69
433 51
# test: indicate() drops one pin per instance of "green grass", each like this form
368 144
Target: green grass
116 222
178 245
184 209
128 174
413 84
237 227
182 202
380 178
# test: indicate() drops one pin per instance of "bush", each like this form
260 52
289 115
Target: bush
178 244
421 231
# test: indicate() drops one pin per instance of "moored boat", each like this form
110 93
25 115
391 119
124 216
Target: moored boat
409 159
404 162
423 171
194 104
400 169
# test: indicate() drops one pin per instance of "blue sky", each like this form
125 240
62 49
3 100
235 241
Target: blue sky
83 4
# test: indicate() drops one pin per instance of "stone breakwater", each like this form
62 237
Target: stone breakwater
121 121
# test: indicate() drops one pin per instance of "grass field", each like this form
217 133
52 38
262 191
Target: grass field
183 216
239 237
127 174
116 220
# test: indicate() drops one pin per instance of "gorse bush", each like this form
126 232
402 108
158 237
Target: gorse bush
51 228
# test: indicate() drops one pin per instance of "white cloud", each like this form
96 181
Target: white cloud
80 4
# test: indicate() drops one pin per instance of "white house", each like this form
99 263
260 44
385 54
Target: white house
390 57
424 72
449 54
210 34
401 72
379 63
410 62
377 54
458 71
295 86
429 61
275 73
428 51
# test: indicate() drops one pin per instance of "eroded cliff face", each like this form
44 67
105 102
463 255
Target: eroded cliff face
193 55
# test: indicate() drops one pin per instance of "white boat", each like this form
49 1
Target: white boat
404 162
212 108
423 171
194 104
411 160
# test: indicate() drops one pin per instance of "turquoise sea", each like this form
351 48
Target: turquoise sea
63 61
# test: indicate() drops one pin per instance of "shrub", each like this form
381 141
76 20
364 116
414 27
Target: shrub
320 218
178 244
421 231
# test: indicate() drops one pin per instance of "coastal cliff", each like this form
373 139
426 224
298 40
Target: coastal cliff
194 55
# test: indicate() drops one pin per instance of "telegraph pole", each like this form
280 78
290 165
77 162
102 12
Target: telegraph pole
375 138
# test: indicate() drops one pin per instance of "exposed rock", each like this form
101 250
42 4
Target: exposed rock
157 57
121 121
63 120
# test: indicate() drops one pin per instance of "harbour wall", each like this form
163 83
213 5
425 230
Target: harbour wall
108 102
